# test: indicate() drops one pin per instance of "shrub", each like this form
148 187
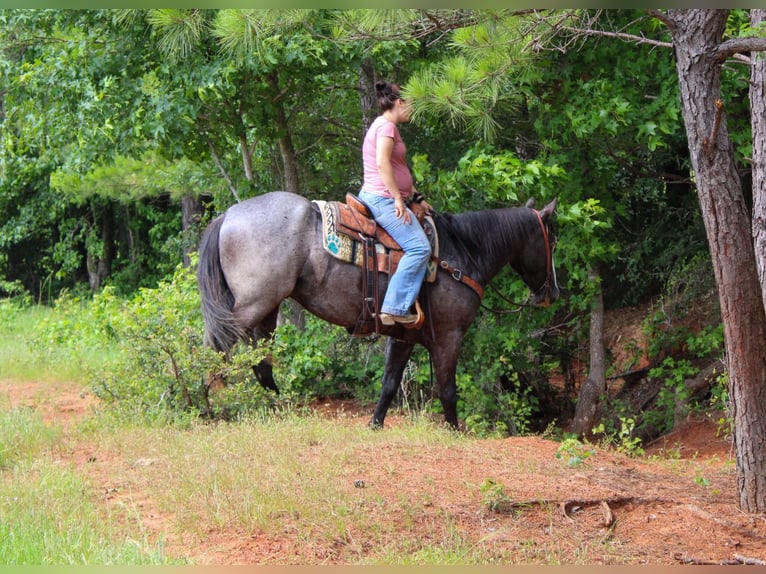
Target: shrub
163 365
324 360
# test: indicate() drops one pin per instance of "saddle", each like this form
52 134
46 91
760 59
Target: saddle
351 234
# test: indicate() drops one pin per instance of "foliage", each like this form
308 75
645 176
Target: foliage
574 452
166 367
323 360
498 407
672 398
493 494
623 439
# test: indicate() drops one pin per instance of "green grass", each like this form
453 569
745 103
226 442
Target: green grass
48 514
48 518
23 436
39 343
263 474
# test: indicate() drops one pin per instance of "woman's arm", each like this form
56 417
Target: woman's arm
383 150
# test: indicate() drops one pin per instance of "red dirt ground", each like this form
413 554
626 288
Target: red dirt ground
653 510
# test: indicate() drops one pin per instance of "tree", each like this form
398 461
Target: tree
701 50
758 112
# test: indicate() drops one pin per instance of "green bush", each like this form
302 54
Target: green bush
324 360
163 366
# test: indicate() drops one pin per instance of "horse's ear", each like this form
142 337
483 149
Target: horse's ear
530 203
548 209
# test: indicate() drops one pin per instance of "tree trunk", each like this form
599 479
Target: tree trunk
370 106
99 260
758 119
286 148
289 163
696 35
191 215
595 384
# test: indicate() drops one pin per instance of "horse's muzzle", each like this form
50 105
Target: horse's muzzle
545 296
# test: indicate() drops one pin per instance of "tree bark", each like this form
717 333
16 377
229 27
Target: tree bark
758 122
191 215
697 37
595 384
370 107
99 263
286 148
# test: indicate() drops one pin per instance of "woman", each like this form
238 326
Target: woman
387 189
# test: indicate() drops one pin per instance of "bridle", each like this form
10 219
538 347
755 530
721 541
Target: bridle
548 274
548 252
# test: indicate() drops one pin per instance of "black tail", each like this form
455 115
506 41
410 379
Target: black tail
221 329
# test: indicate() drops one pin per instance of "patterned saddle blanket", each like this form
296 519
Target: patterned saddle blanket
343 225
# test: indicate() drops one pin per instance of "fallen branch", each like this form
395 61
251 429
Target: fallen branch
737 560
568 506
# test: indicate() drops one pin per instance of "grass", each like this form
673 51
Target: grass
23 437
36 344
265 475
329 490
48 514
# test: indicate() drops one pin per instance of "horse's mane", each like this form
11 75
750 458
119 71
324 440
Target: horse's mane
482 236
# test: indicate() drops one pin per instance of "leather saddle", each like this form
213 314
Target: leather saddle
379 251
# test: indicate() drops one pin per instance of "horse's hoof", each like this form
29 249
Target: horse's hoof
375 424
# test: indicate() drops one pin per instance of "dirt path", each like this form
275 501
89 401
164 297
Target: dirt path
658 511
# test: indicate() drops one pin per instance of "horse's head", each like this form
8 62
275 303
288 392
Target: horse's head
536 266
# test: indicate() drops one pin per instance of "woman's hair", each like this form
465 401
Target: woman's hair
387 94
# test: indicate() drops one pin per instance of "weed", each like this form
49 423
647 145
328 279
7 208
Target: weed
574 452
623 440
493 494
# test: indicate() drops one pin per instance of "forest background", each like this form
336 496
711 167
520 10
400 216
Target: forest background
125 132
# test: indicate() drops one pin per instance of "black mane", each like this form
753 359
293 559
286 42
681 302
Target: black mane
481 239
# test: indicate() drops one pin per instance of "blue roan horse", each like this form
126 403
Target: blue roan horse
268 248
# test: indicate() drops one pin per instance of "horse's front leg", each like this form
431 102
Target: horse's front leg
445 366
397 355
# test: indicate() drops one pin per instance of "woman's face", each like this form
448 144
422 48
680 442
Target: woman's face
404 108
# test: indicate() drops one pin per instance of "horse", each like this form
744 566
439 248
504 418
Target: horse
268 248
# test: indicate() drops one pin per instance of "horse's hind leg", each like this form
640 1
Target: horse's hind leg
264 371
397 355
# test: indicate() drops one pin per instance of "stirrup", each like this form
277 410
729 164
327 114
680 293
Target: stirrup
421 317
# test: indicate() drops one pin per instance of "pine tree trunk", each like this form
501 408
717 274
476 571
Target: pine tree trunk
696 35
758 119
595 384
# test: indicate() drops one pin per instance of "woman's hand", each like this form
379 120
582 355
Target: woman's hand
401 210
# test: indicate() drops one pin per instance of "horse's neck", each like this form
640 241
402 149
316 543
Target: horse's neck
486 241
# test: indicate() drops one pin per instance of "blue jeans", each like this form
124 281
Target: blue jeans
404 285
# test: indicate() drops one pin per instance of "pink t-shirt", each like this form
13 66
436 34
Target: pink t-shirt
373 183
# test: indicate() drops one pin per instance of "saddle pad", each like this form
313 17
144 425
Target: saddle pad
349 249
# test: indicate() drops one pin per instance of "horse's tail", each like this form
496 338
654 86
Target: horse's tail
221 328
